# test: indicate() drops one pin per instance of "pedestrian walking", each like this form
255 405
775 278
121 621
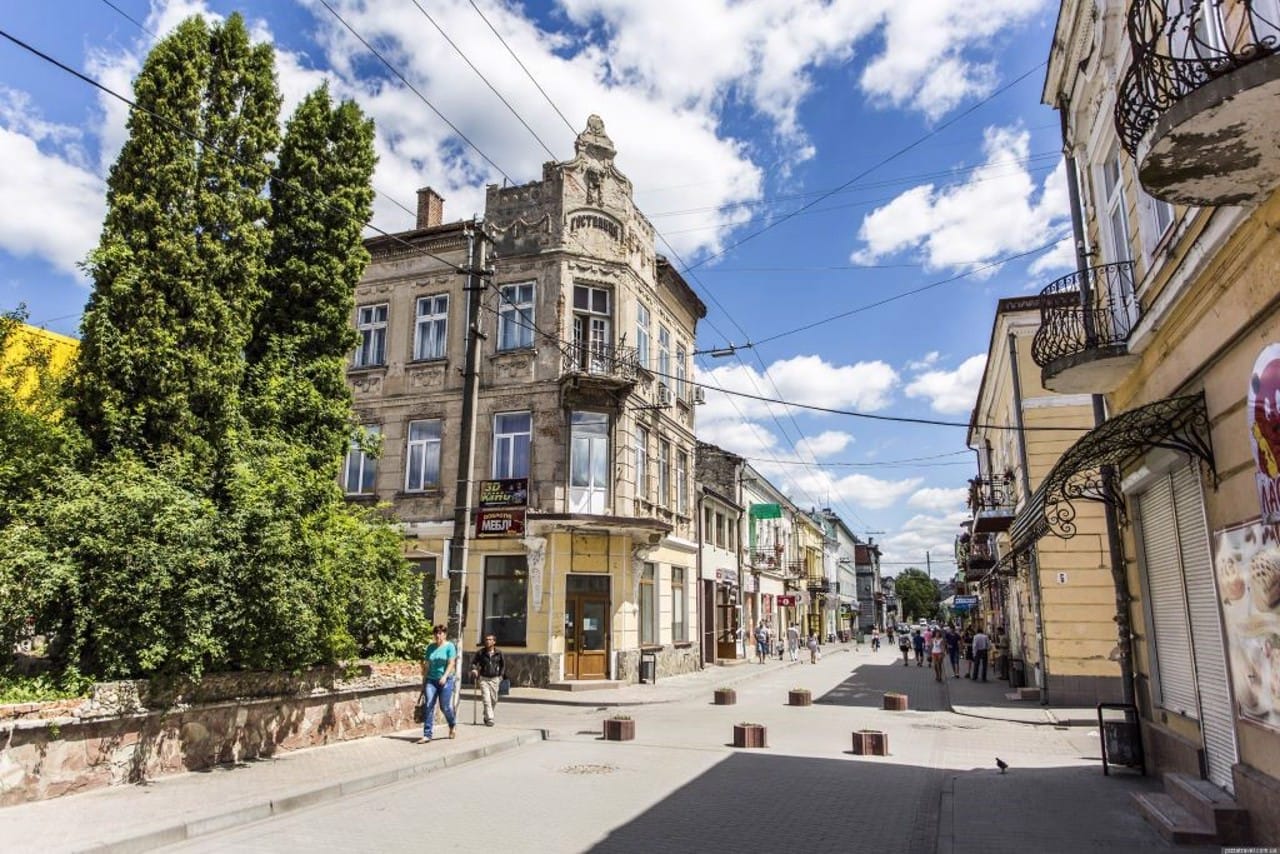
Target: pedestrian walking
937 648
890 632
952 640
875 640
904 644
438 667
488 669
917 643
981 649
813 648
793 641
966 643
762 642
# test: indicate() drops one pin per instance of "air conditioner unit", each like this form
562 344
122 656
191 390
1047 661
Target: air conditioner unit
664 395
699 394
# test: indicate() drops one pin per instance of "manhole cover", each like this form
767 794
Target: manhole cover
588 769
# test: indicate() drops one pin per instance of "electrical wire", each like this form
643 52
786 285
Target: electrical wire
890 158
528 74
414 90
480 74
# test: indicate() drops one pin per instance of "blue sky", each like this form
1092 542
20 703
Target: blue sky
728 116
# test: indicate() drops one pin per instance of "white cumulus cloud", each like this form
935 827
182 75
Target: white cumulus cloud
951 392
938 499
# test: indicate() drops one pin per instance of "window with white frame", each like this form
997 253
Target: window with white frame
664 354
1116 217
589 462
682 482
515 316
681 360
708 526
371 323
592 328
422 466
642 335
642 463
1159 218
431 327
361 469
511 434
648 605
664 472
679 606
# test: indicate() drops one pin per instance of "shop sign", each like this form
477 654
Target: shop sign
1264 430
786 601
1247 564
727 576
499 523
964 603
509 492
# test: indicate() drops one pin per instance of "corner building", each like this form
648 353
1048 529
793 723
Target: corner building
583 392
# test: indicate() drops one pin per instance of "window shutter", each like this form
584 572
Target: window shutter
1168 604
1218 727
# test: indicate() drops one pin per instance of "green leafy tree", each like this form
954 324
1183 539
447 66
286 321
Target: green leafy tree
177 271
918 595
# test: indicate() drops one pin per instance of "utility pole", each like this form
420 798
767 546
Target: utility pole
474 289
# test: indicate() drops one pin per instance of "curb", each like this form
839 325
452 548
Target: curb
301 798
750 674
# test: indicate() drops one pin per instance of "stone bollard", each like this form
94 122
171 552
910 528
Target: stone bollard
870 742
895 702
749 735
799 697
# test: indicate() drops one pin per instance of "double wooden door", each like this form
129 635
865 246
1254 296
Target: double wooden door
586 627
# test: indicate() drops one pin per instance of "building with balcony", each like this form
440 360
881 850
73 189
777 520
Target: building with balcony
718 475
776 556
839 553
584 414
866 563
1169 117
1054 600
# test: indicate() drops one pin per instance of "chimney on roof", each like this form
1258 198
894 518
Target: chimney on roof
430 208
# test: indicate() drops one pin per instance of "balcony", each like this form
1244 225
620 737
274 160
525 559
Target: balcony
1085 321
975 554
992 500
598 374
1199 105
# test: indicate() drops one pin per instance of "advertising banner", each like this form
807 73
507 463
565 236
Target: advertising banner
1247 566
1264 430
499 523
786 601
511 492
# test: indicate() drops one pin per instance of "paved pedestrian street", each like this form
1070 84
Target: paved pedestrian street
681 786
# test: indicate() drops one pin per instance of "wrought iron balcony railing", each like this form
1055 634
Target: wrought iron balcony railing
606 361
1179 46
975 552
992 494
1068 328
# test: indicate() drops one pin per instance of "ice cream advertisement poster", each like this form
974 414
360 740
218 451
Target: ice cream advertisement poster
1247 565
1264 429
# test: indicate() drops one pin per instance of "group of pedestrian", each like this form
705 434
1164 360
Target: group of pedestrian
947 644
439 667
764 643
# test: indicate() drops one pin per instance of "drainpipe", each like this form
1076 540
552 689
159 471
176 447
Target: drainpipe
702 611
1115 545
1037 604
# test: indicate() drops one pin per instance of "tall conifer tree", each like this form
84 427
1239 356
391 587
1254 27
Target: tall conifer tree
178 266
321 195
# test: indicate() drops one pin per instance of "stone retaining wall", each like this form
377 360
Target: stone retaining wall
672 661
128 732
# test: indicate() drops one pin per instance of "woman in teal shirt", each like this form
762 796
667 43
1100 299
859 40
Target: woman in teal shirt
438 667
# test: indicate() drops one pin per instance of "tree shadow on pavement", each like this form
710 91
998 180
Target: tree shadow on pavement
869 683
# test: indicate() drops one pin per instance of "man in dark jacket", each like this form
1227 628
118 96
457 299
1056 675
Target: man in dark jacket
488 669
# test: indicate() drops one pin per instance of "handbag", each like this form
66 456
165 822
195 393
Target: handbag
420 708
504 687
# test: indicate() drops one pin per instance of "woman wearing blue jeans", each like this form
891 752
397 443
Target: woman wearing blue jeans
438 668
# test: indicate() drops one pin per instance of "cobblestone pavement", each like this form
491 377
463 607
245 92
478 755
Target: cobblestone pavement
680 787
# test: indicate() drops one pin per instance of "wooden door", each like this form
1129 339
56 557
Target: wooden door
707 619
586 633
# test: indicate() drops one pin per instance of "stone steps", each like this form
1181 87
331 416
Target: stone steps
1192 811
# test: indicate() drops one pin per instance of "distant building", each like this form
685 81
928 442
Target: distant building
26 343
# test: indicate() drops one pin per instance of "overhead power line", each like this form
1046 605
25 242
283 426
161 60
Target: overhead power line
890 158
528 74
485 80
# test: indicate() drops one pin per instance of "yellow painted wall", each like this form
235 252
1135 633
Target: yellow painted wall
18 349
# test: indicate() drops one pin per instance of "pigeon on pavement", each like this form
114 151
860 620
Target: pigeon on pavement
1002 765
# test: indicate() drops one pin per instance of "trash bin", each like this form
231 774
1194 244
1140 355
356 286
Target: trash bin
648 668
1121 738
1017 673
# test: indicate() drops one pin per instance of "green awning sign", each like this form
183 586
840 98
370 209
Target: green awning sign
766 511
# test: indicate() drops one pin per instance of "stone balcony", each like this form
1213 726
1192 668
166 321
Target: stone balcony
1085 321
1198 107
975 554
992 501
598 374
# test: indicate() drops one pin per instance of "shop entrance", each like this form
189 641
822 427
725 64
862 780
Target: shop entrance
586 627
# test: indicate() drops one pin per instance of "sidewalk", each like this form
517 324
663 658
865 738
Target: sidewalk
988 700
186 806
